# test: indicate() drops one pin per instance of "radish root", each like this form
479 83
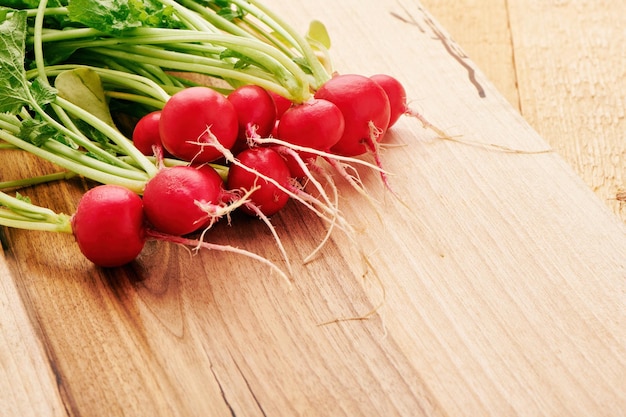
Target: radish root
490 146
197 244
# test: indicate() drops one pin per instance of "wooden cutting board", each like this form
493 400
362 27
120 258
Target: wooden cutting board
497 287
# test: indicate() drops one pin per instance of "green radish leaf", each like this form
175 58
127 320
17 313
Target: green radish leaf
14 88
118 16
23 198
111 16
231 14
42 92
83 87
37 132
21 4
303 64
318 33
225 9
95 136
241 61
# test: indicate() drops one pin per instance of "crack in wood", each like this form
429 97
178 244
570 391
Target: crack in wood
447 43
256 400
222 392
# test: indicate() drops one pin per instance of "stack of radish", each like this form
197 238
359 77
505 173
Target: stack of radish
247 143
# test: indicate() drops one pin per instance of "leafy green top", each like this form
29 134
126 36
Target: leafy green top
15 90
118 16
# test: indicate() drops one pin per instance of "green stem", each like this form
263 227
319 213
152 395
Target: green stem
120 140
11 125
194 20
80 168
267 16
41 179
201 65
135 98
49 11
128 80
18 213
212 17
64 226
56 35
280 66
88 161
77 137
38 46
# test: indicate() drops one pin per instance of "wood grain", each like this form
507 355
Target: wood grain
27 381
496 289
561 63
482 31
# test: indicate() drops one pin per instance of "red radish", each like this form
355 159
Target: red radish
255 108
281 103
174 198
365 108
109 225
190 117
395 93
146 133
266 161
398 101
294 165
316 124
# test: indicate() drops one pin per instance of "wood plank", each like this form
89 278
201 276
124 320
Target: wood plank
501 278
481 30
562 66
27 382
576 51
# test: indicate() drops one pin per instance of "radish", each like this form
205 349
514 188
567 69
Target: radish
109 225
365 108
255 110
365 111
178 200
189 116
395 93
280 179
266 168
146 136
281 103
268 198
199 124
316 124
265 175
265 178
399 106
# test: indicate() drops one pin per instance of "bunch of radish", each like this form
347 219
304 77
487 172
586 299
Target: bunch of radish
196 152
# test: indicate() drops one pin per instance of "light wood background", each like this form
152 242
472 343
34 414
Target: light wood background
562 64
502 280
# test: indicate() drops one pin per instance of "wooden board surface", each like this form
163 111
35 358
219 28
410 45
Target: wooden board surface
502 283
561 64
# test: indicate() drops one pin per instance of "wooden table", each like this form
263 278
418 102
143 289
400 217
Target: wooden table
561 65
498 290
